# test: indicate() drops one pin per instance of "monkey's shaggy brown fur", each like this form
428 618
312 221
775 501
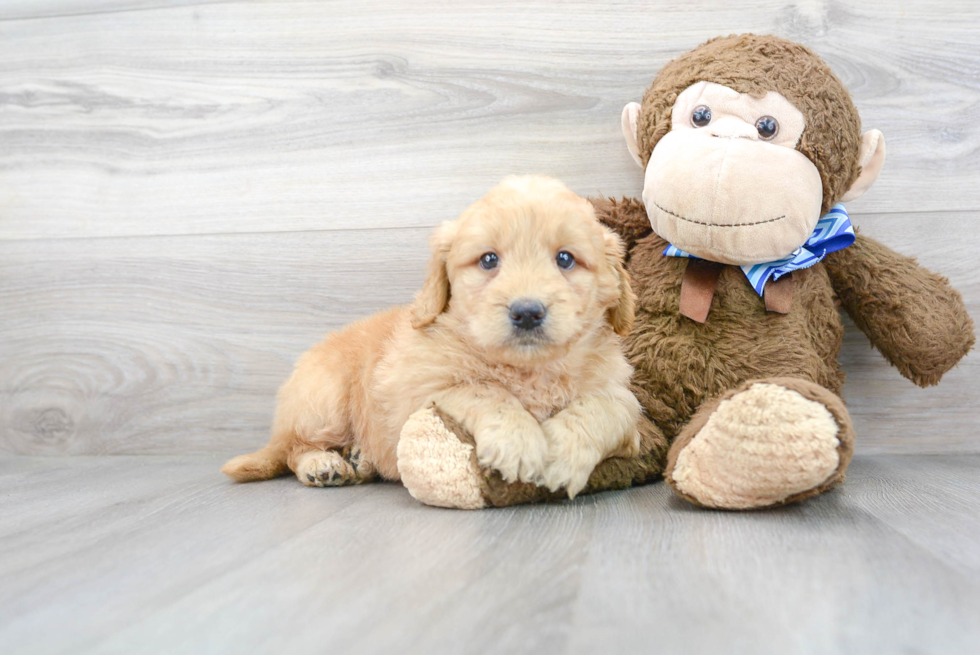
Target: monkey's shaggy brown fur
911 315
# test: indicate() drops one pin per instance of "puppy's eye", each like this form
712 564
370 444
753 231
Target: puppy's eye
767 126
565 260
488 261
701 116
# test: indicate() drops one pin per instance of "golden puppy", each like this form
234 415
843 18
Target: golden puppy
515 333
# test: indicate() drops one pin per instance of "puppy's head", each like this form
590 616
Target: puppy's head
525 272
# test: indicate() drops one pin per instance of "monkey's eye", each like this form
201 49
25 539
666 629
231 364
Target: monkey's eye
488 261
565 260
701 116
767 126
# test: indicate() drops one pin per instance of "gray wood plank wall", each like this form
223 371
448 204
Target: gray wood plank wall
191 193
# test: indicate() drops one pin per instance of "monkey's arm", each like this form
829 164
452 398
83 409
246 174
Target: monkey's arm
626 217
911 315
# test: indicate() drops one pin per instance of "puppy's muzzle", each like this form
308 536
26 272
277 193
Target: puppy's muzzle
527 314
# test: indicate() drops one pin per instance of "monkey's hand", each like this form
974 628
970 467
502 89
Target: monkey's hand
911 315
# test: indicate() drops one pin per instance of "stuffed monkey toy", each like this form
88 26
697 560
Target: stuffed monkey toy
741 256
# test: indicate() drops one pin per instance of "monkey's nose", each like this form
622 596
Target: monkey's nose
527 314
729 127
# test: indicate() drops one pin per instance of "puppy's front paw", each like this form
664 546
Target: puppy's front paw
571 457
515 448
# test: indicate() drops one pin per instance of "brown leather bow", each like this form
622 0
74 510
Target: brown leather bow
701 278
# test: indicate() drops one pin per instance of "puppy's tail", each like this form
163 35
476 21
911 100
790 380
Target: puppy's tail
263 464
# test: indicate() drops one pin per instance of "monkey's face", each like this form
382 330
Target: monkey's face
727 183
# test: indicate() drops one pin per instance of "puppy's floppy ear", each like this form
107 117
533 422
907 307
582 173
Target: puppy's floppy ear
433 298
622 312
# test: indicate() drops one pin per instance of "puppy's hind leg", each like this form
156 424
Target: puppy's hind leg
333 468
313 425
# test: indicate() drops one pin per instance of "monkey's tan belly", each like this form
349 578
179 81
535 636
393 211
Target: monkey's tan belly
680 363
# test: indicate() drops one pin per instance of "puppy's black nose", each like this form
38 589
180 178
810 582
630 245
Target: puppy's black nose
526 314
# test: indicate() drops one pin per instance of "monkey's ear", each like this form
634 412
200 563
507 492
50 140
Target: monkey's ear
433 298
871 159
631 113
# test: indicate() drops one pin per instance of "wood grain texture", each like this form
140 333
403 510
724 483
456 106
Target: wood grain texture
156 345
191 193
161 554
257 116
169 345
34 9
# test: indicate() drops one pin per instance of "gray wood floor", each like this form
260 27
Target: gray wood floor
160 555
192 192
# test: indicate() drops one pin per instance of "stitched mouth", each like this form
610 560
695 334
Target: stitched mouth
691 220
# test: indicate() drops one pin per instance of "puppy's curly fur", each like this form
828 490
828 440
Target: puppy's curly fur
545 401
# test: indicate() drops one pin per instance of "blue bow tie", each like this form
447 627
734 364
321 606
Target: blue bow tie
833 232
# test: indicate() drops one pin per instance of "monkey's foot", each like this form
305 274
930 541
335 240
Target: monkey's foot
437 467
766 443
